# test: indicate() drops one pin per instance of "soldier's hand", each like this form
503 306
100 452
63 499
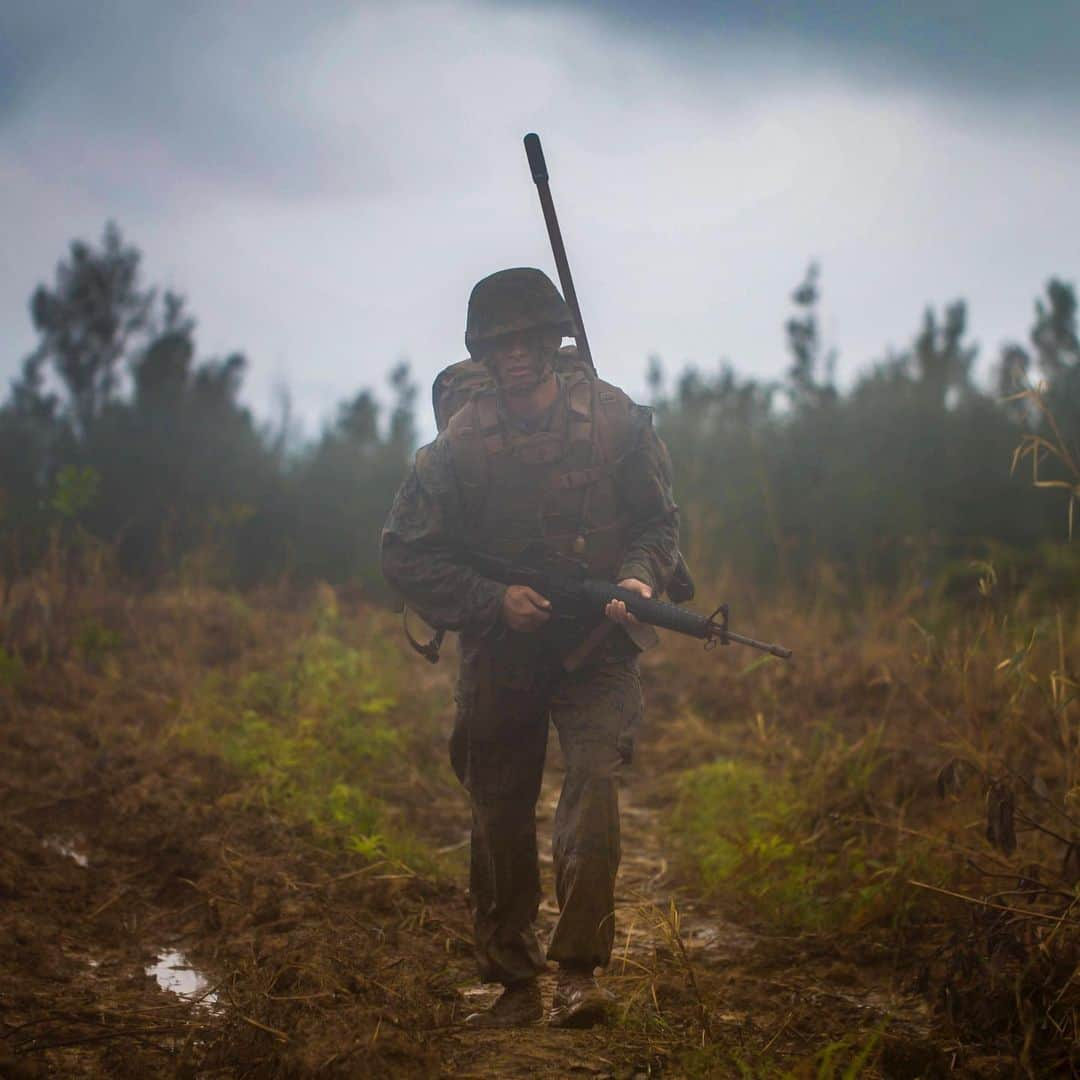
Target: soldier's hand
524 609
616 609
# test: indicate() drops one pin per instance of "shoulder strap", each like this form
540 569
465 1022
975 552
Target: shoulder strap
613 428
580 395
469 434
487 422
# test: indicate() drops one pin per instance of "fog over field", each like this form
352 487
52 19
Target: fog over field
326 184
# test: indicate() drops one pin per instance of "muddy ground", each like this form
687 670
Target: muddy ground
120 853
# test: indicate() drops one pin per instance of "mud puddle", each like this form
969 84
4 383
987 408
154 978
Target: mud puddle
175 974
70 847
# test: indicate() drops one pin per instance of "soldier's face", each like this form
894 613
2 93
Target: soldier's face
523 360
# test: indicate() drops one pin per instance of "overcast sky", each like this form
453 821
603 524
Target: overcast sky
325 182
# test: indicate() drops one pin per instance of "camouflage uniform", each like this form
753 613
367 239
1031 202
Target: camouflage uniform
511 684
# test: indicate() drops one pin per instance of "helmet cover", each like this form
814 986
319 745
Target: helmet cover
521 298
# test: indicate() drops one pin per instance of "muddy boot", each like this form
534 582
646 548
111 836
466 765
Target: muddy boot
516 1006
579 1000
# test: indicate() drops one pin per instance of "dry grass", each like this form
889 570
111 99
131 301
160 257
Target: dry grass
904 794
906 786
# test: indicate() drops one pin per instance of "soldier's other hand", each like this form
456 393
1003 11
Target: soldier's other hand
524 609
616 609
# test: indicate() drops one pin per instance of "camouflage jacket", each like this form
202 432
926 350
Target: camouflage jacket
425 532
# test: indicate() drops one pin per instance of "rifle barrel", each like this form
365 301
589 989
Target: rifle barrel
774 650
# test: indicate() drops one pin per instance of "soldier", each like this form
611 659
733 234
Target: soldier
550 454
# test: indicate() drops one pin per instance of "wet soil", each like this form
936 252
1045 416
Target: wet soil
696 993
155 923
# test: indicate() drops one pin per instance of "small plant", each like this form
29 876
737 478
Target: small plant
12 671
316 731
1040 449
76 488
761 838
96 643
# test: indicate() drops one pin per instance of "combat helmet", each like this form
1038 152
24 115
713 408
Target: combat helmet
512 300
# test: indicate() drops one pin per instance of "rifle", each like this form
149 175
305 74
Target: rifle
538 167
681 586
574 595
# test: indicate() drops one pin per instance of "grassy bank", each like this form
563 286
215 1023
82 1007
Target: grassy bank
906 790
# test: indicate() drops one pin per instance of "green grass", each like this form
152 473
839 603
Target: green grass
321 731
12 671
843 1059
758 838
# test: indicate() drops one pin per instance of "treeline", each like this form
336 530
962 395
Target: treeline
905 475
117 437
165 472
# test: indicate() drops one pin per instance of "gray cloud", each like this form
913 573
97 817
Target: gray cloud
326 184
987 48
208 91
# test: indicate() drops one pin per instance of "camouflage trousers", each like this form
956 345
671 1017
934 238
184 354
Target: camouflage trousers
497 750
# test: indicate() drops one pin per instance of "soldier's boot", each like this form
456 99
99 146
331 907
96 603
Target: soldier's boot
518 1005
579 1000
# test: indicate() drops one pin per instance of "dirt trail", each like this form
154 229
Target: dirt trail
644 947
685 976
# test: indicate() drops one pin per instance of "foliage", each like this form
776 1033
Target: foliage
76 489
88 321
158 457
891 481
96 644
317 732
339 491
908 785
1053 450
843 1059
12 671
747 831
